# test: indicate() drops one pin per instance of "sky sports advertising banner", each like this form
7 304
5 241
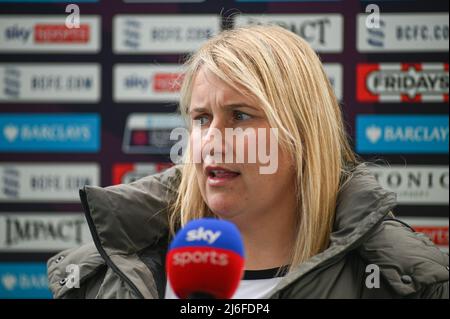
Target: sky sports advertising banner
48 34
141 83
95 105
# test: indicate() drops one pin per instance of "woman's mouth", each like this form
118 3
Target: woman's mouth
218 176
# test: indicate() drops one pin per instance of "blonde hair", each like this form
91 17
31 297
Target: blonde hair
285 75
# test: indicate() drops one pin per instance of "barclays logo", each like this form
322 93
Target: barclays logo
38 132
406 134
373 133
10 132
402 134
24 280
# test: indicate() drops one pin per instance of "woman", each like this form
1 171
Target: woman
318 226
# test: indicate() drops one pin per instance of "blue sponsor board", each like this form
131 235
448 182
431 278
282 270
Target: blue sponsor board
24 281
49 132
402 134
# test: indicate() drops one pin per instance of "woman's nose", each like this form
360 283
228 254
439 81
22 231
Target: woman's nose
216 129
214 138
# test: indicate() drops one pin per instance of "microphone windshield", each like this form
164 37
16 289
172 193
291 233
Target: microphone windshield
206 257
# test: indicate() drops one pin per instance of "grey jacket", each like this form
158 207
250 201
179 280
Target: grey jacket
129 226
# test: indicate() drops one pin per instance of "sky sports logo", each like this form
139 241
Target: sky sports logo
147 82
402 82
49 132
396 134
202 234
48 33
158 83
24 281
200 256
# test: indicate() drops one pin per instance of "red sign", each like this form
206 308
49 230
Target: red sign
402 82
167 82
438 234
57 33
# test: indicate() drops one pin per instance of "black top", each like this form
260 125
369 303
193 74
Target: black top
265 273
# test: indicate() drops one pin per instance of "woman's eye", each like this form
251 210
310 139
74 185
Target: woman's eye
201 120
241 116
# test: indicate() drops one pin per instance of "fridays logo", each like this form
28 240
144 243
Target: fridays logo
402 82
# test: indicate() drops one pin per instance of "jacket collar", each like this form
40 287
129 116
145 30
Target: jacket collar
362 205
127 218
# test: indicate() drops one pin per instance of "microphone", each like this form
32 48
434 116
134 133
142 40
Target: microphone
206 260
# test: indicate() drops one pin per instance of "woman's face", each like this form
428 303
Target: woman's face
236 190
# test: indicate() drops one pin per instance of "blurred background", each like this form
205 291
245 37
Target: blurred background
88 96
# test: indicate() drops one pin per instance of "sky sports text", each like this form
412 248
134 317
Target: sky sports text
207 257
202 234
